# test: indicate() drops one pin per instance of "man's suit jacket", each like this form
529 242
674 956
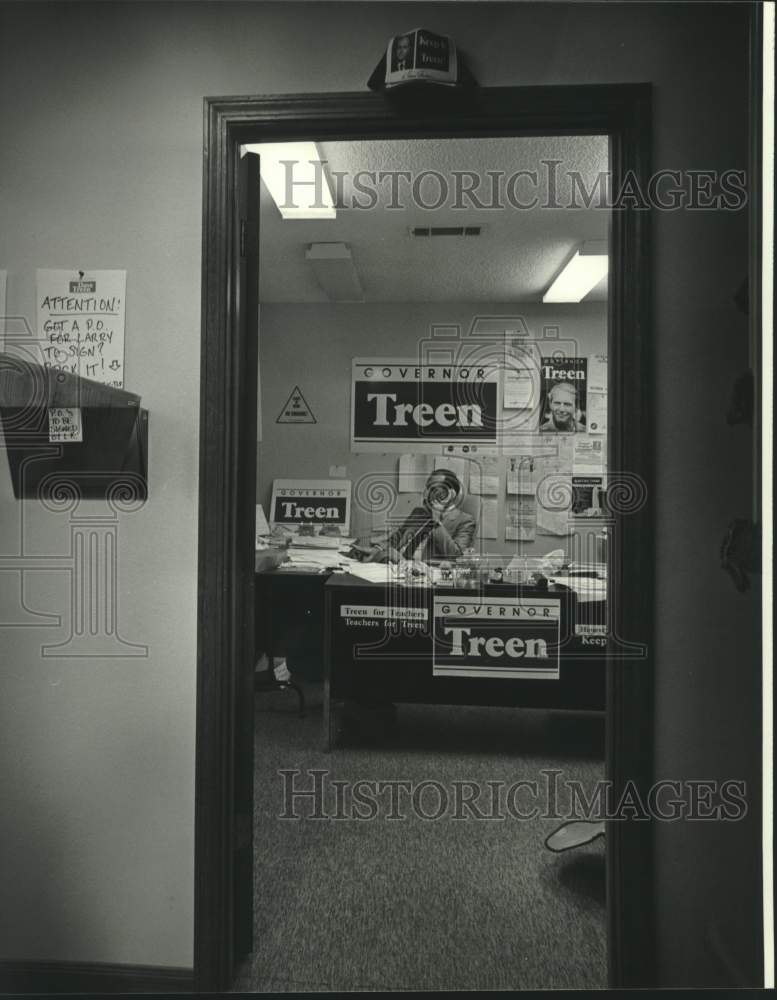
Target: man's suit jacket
455 535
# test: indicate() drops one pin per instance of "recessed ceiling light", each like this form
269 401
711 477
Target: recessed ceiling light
294 175
581 273
333 266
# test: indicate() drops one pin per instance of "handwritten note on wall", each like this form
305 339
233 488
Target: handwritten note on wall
81 331
65 424
81 323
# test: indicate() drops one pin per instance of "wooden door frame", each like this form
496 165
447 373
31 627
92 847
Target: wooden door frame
228 392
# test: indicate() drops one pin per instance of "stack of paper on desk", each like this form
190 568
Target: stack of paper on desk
321 542
374 572
585 587
321 559
391 573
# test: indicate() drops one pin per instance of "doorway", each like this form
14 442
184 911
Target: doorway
229 456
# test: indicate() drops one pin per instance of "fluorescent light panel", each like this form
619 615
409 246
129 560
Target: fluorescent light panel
308 199
334 268
577 278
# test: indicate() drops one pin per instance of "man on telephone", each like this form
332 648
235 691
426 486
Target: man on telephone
437 529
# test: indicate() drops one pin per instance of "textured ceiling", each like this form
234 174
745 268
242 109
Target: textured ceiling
514 260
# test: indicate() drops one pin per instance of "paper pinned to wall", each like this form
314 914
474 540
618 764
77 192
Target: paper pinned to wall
521 476
484 476
597 398
81 323
531 443
588 455
597 373
489 513
65 424
80 318
413 472
521 520
597 413
459 466
521 383
588 496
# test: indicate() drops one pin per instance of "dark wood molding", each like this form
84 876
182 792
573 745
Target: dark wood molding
624 113
630 676
93 977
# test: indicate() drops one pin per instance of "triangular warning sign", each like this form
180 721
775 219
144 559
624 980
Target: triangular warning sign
296 410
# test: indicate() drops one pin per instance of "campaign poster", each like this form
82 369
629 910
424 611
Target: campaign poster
500 637
366 634
588 496
563 395
399 405
311 506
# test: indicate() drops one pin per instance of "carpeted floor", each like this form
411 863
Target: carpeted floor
422 904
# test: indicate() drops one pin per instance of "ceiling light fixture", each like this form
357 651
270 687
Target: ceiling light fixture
294 174
581 273
334 269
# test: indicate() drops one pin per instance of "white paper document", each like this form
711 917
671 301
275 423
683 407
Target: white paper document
521 476
489 512
597 373
459 466
65 424
521 384
484 475
81 323
521 519
588 455
80 317
375 572
413 472
597 412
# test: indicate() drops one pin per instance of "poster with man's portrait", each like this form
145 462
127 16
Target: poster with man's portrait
563 395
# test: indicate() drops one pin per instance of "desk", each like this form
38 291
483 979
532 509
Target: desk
395 658
288 603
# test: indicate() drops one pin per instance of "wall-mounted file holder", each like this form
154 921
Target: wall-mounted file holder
110 460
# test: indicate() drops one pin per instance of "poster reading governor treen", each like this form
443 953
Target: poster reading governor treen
396 404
